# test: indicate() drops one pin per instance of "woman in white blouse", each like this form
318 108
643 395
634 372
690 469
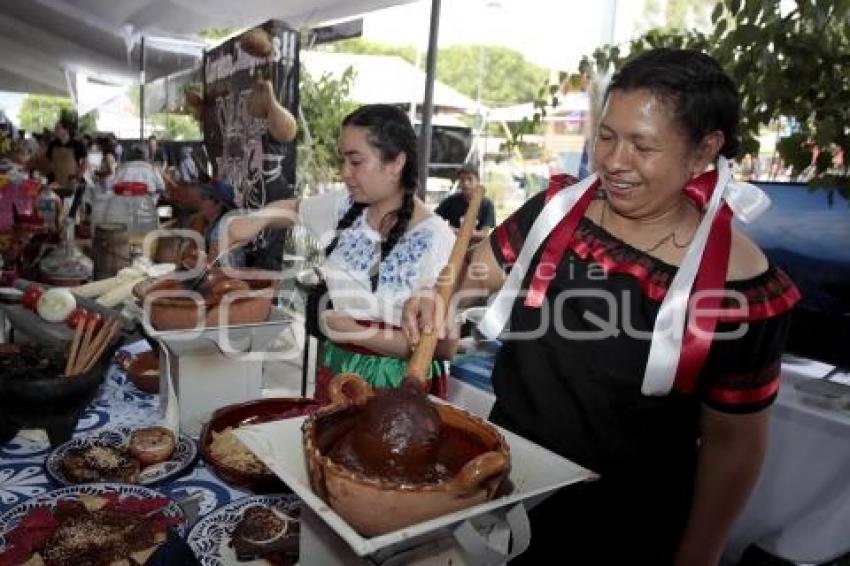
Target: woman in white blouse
383 243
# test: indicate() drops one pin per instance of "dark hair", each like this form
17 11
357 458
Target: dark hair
68 124
390 132
138 152
468 169
704 98
69 120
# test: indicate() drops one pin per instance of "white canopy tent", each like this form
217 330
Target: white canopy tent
570 102
42 40
370 84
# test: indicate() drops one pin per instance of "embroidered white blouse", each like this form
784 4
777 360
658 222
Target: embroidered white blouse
415 261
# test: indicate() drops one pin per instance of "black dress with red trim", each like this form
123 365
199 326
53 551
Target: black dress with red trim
569 374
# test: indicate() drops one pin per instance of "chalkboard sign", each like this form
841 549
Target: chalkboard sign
240 148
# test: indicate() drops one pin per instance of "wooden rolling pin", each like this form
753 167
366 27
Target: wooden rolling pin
420 360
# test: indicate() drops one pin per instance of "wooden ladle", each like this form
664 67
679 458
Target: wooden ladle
420 359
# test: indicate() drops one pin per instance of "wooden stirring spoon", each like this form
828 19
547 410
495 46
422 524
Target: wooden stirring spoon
420 359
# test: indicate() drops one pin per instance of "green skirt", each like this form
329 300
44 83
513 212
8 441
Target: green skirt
377 370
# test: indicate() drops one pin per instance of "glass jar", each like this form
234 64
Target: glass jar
133 205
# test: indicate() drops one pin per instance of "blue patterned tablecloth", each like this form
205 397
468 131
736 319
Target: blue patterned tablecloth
475 368
119 403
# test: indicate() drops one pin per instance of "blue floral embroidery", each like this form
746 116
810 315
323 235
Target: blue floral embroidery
356 248
401 268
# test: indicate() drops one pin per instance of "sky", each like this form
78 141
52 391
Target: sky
10 103
550 33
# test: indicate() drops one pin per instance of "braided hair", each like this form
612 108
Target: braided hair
702 96
390 132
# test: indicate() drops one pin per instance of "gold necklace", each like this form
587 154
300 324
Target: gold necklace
671 237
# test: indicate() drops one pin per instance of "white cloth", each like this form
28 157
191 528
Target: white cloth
800 507
414 263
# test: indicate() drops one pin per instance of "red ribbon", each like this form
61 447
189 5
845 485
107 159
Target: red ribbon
700 188
710 277
504 242
743 396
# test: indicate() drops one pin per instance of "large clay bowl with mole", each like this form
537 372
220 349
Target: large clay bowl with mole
473 456
169 307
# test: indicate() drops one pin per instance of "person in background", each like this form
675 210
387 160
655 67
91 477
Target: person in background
137 169
453 208
7 127
117 148
188 170
87 141
21 152
156 154
105 174
217 199
38 162
384 243
678 447
66 154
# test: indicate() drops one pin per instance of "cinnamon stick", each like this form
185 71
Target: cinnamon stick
98 337
75 348
108 333
84 347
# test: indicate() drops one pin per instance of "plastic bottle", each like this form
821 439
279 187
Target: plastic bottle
48 205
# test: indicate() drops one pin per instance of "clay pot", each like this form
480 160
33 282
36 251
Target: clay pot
262 103
257 42
143 371
475 453
185 313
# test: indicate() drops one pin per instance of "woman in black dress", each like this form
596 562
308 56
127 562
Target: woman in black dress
586 367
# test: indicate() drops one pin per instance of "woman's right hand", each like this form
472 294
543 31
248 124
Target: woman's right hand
419 316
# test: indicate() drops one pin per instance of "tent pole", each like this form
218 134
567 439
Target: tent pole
142 89
428 105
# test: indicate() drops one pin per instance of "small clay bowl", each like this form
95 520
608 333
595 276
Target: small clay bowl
143 371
